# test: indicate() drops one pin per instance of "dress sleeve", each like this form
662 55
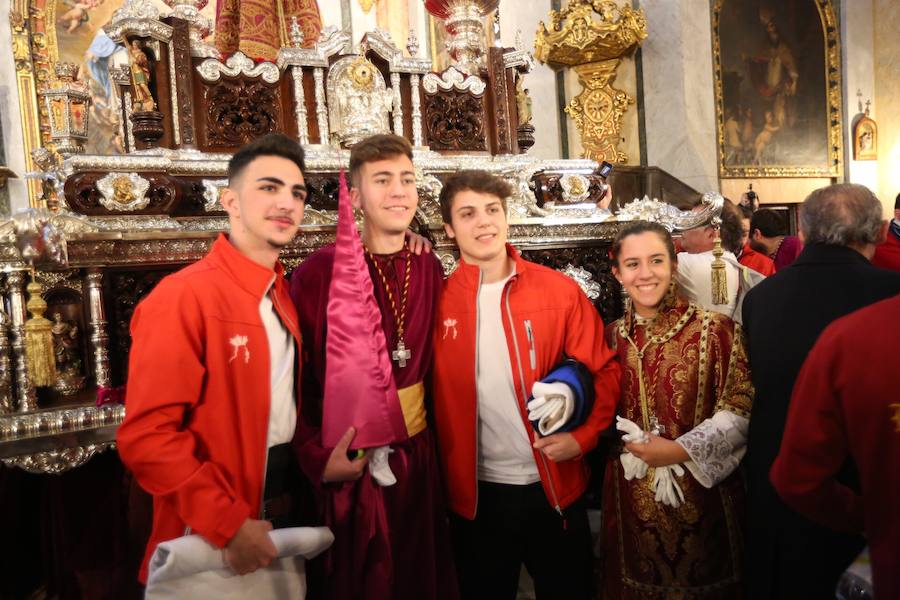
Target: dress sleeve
716 447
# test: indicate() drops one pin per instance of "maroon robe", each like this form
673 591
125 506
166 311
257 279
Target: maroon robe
390 542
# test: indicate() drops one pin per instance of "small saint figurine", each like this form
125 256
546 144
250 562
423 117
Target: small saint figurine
142 98
523 102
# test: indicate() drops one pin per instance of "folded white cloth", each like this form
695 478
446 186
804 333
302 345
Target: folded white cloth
666 486
380 467
551 406
190 567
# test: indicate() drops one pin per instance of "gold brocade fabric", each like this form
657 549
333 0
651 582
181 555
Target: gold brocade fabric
694 364
412 403
259 28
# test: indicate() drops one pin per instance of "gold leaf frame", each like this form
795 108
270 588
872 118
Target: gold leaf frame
833 112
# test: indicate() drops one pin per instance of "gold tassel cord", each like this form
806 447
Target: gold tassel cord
719 280
39 338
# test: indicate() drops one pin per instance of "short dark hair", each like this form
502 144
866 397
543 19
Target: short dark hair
769 223
731 230
374 148
638 227
475 181
271 144
897 203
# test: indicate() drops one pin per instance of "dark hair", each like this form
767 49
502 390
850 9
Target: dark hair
475 181
731 230
271 144
375 148
638 227
897 203
769 223
843 214
746 211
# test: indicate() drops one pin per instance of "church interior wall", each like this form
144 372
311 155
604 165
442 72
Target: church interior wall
887 99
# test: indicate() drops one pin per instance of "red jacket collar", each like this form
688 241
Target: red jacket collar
251 276
470 275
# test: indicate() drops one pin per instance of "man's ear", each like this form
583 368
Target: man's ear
448 229
228 198
883 232
355 198
755 235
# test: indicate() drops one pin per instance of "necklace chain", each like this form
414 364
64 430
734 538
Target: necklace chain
399 314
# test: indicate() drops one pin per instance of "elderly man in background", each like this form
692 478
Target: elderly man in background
789 556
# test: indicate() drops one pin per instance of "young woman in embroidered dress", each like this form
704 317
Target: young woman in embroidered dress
673 501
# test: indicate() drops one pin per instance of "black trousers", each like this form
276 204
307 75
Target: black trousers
516 525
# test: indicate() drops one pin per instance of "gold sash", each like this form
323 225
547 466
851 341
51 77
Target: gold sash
412 403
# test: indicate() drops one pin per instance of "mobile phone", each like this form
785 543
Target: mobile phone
605 169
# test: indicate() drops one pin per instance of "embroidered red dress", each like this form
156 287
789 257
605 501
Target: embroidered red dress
693 365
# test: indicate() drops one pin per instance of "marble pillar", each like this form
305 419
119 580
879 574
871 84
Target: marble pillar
679 101
13 141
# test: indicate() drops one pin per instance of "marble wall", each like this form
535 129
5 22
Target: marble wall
887 99
13 145
679 103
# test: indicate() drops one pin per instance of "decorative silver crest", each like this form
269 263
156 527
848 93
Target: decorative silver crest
123 191
671 217
584 279
237 64
451 79
212 188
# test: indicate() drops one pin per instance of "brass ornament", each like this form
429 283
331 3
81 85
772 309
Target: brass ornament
367 5
594 49
39 338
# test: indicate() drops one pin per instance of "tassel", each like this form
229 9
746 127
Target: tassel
39 339
719 281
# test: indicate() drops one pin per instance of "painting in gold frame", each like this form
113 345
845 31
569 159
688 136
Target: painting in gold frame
778 88
865 139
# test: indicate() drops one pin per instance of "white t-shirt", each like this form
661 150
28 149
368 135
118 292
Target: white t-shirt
283 404
504 448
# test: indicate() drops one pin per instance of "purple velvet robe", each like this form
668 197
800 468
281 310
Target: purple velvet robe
390 542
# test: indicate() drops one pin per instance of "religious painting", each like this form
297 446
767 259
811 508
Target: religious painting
865 139
778 92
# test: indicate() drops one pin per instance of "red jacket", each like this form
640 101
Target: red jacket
844 406
887 253
563 322
197 409
757 261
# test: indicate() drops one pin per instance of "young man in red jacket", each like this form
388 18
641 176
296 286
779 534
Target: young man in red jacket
503 324
212 397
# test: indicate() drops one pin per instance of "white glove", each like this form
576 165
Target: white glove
632 466
552 406
632 432
380 468
665 485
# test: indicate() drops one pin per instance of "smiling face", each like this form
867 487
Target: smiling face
645 269
385 190
265 204
478 224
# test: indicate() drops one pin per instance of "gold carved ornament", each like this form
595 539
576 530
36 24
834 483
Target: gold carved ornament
594 49
39 338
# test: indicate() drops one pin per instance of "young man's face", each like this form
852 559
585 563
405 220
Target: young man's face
265 204
386 192
478 224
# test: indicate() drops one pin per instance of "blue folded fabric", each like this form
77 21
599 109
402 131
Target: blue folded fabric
581 382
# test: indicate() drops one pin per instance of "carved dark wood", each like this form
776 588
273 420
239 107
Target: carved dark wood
82 195
525 137
501 91
183 80
126 289
594 259
148 127
455 120
239 111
